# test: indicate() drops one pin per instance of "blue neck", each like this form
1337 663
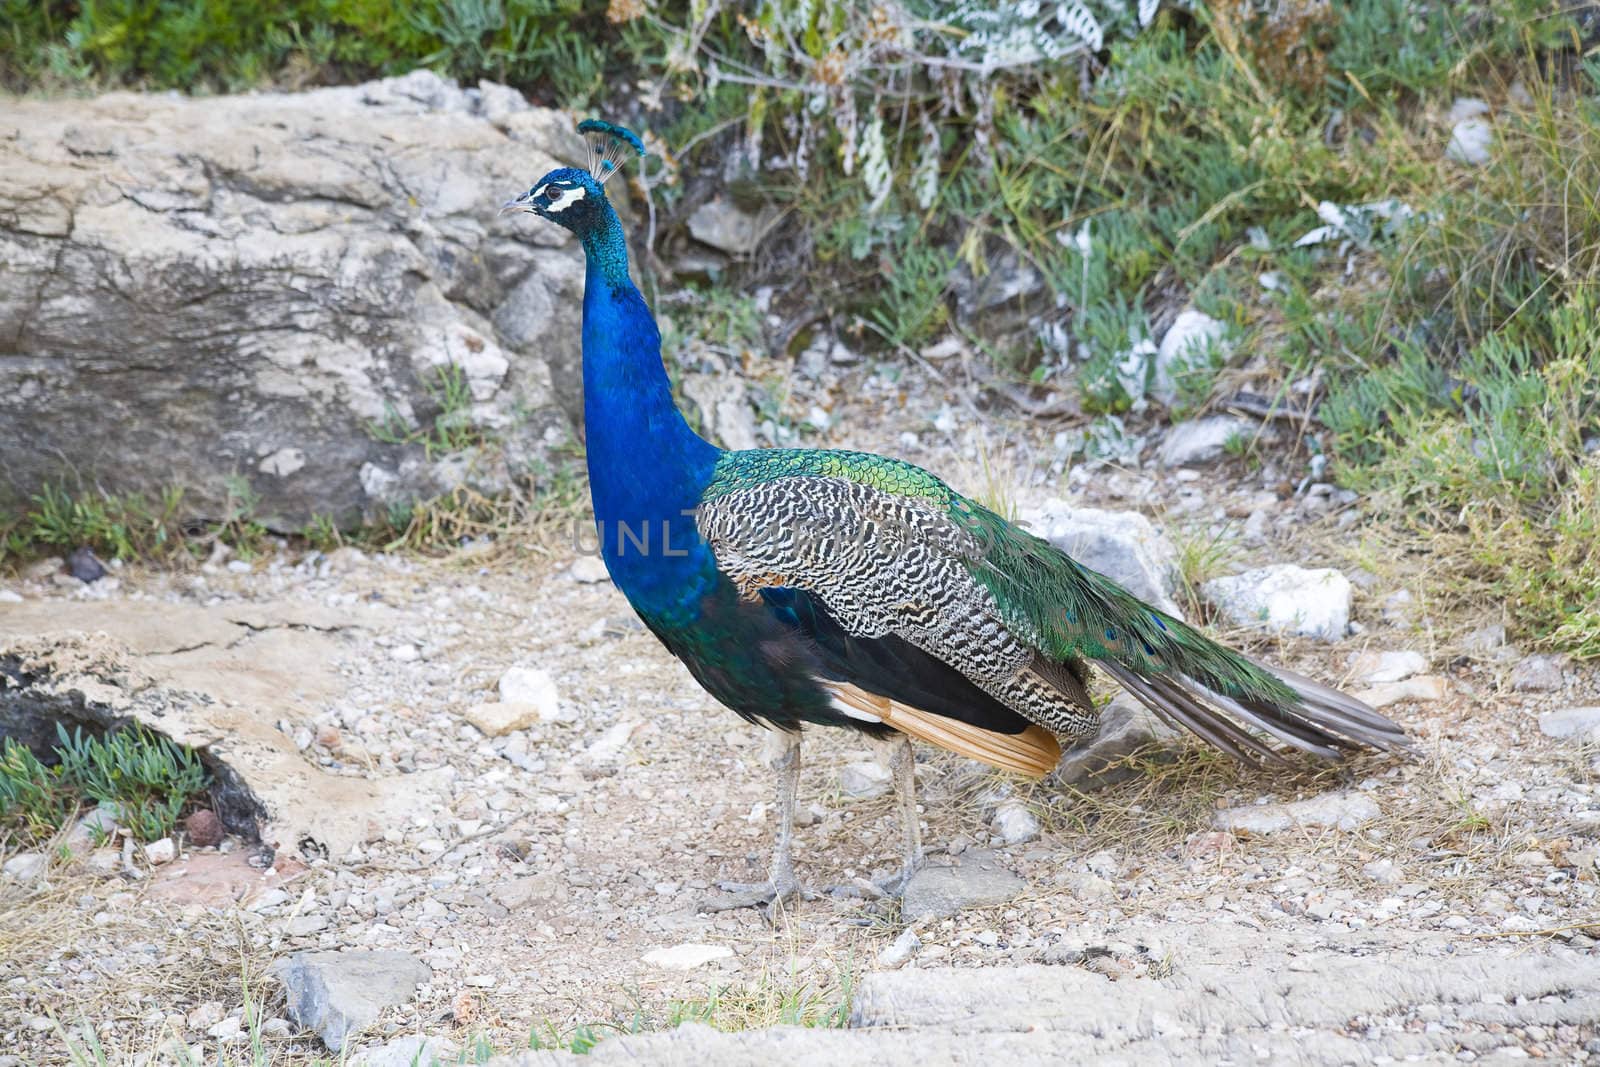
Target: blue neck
645 464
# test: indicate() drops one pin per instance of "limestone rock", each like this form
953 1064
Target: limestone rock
1126 727
1343 811
534 688
1424 688
279 280
339 994
976 881
1371 668
1186 343
1122 545
498 718
1577 724
1540 674
1285 599
687 956
864 779
726 227
1204 440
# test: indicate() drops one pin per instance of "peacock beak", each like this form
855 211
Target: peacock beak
519 203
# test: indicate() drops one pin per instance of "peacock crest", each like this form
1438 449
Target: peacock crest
609 147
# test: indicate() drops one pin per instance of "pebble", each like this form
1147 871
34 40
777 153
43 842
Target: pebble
1573 724
404 653
1539 674
902 949
686 956
339 994
939 891
499 718
1285 599
589 570
1384 872
162 851
535 687
204 828
1426 688
1015 823
864 780
1373 668
1344 811
25 867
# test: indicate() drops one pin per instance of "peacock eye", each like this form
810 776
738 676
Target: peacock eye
552 194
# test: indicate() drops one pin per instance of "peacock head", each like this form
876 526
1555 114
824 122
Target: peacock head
574 197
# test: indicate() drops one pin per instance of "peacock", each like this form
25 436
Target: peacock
837 588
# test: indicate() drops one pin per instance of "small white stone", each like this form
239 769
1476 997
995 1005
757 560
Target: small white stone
7 596
1015 823
686 956
1285 599
588 570
1428 687
159 852
25 867
531 685
1384 872
864 780
1344 811
904 947
1371 668
1577 724
404 653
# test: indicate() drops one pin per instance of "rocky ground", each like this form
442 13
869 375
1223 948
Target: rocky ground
484 767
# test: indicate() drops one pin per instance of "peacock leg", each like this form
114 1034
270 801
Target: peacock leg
903 764
781 887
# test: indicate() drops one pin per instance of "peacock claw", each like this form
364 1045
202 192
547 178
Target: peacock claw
772 897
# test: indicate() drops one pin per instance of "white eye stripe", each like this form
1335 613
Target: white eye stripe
568 198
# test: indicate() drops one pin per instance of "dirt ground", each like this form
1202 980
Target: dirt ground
536 872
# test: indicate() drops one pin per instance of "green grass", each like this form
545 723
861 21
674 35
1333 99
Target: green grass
145 779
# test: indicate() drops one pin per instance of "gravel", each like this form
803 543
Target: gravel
1343 811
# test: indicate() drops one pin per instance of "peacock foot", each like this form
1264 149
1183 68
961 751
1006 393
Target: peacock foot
773 896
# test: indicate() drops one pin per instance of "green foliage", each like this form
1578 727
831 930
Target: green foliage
124 526
450 428
147 778
144 778
34 801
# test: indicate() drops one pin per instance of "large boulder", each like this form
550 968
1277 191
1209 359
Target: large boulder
280 295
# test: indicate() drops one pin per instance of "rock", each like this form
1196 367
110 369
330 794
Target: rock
206 1015
976 881
1285 599
536 689
726 227
1540 674
1485 640
864 780
204 828
687 956
902 949
726 414
1428 687
1126 727
404 653
589 570
414 1050
10 596
154 223
159 852
1576 724
42 570
498 718
1002 294
1471 132
1203 440
1015 823
1369 668
339 994
1384 872
25 867
1123 545
1343 811
1186 343
83 565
